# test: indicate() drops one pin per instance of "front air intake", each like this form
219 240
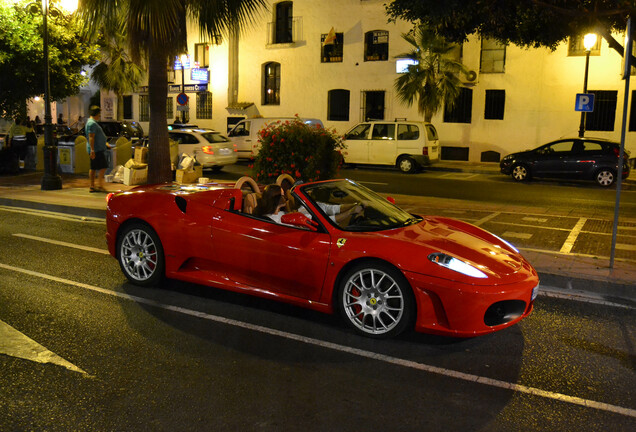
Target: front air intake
504 311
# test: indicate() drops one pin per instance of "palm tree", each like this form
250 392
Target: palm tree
433 78
156 32
116 71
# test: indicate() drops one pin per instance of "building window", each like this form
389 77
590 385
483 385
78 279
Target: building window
332 44
376 45
128 107
144 108
604 114
461 112
373 105
576 47
493 56
204 105
271 88
495 104
338 105
170 108
283 22
202 55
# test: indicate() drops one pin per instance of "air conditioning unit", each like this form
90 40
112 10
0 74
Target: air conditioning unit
471 76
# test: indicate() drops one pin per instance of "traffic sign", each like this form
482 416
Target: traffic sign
584 102
182 99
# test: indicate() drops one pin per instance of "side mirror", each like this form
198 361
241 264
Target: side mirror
300 220
391 200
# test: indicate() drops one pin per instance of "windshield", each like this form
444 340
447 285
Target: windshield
353 207
214 137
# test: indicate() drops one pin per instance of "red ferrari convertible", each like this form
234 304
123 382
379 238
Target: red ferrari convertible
383 269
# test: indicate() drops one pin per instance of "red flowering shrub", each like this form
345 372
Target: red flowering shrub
306 152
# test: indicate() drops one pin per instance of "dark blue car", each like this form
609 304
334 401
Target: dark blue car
572 158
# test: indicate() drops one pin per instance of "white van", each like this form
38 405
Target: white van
407 145
245 134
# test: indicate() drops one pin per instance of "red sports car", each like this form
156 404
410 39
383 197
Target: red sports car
383 269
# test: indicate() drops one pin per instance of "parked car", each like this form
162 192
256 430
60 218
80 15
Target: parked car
245 133
211 149
173 126
115 129
573 158
384 270
407 145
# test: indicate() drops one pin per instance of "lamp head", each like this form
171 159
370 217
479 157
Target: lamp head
589 40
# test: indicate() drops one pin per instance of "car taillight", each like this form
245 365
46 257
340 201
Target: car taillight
617 151
235 148
207 150
425 151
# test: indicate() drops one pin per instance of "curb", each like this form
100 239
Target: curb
57 208
622 293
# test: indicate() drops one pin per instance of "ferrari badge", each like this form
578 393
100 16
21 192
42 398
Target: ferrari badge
341 242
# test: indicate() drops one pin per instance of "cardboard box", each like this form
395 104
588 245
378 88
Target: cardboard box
141 154
135 176
189 176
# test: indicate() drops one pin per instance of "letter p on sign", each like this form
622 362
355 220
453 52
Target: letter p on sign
584 102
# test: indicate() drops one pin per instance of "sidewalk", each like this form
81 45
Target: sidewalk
563 275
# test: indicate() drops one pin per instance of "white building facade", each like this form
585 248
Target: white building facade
280 66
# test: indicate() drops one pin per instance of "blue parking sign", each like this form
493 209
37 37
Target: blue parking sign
584 102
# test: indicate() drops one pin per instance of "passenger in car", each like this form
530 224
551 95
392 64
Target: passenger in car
272 203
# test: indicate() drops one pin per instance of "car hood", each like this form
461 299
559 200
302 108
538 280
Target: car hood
474 246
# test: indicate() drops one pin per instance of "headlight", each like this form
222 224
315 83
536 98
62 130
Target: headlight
456 265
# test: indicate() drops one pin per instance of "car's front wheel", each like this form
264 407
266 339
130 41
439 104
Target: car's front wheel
605 177
520 173
406 164
376 300
140 254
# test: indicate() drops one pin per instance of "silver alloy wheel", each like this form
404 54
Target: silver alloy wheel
406 164
519 173
373 301
605 177
138 255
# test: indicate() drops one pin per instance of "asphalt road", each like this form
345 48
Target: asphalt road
187 357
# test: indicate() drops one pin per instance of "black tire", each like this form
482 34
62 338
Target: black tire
605 177
140 254
406 164
375 300
520 173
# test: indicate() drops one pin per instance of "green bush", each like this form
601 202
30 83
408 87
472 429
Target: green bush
306 152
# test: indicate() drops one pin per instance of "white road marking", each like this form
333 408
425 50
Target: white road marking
486 218
569 242
523 236
61 243
373 183
342 348
534 219
53 215
15 344
459 176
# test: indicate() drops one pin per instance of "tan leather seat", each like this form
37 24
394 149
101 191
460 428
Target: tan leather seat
250 201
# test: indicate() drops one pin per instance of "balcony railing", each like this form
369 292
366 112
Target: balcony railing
288 32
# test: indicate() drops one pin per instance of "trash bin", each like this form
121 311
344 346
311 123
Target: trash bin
66 156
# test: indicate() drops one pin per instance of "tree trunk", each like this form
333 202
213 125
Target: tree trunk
159 170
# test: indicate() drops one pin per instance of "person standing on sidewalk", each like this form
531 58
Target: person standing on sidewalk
96 148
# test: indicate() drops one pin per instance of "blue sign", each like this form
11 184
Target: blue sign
584 102
182 98
200 74
176 88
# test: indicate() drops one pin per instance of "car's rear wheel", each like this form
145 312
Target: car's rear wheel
520 173
605 177
140 254
376 300
406 164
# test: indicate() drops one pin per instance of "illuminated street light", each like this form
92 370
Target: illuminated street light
589 40
51 180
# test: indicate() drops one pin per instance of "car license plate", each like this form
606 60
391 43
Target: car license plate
225 151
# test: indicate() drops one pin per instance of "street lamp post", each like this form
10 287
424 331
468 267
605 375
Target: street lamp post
184 58
589 40
51 180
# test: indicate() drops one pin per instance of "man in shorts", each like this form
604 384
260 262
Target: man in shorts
96 147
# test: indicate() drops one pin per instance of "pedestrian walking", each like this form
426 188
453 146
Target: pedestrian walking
17 140
96 147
